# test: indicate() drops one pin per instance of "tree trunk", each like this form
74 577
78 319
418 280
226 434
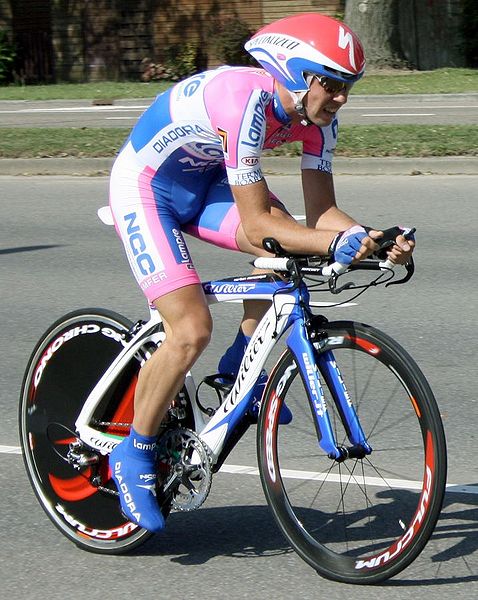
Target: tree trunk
415 33
441 41
377 23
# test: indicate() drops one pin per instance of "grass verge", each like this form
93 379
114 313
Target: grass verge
354 141
399 140
48 142
440 81
443 81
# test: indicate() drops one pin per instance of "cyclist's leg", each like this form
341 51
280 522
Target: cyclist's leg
160 261
187 323
219 223
148 222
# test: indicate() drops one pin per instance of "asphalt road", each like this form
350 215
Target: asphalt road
428 109
55 256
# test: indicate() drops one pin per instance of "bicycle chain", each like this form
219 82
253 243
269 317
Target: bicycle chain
111 424
106 490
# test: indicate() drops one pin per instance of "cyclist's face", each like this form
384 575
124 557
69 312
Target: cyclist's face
321 105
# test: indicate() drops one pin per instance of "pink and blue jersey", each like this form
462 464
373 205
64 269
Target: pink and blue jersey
174 173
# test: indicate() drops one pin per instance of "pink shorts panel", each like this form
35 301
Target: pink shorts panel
225 237
148 240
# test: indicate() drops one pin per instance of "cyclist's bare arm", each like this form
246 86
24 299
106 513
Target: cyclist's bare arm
253 203
321 209
322 212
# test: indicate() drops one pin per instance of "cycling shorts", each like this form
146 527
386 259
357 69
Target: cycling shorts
152 212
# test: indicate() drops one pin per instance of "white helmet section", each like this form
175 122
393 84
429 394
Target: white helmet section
278 54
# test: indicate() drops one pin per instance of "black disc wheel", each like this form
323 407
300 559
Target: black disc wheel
363 519
63 369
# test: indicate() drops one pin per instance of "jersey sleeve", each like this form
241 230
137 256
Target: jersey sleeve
238 117
319 146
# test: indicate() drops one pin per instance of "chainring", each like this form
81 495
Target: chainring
184 468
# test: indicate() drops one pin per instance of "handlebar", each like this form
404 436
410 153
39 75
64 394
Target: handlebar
313 265
305 265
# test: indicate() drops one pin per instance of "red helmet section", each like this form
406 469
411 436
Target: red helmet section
332 38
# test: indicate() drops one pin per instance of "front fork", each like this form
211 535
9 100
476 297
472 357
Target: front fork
311 364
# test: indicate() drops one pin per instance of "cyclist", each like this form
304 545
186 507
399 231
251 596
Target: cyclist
192 164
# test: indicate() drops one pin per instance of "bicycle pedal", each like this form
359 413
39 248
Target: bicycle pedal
220 382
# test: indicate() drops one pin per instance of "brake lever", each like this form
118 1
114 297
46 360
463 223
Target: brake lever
333 285
410 267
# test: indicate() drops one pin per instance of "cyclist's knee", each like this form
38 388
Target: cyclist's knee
186 345
187 322
194 334
187 337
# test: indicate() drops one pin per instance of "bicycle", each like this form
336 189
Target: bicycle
355 482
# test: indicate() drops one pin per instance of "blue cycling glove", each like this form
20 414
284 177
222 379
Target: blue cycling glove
346 244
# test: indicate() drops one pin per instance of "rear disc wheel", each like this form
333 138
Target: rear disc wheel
63 369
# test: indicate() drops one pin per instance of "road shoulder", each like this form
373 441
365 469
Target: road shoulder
447 165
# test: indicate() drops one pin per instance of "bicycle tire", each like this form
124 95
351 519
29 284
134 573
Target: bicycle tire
64 367
361 521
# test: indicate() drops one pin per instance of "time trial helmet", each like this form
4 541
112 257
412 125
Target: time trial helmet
293 48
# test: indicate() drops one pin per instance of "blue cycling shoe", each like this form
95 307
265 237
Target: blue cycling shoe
228 368
285 416
223 383
132 465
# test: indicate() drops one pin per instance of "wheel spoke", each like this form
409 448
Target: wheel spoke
357 508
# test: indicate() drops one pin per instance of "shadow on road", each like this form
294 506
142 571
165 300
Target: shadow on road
250 532
28 248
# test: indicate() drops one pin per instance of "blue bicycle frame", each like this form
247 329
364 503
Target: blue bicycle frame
289 312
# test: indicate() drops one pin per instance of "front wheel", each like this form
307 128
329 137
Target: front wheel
361 520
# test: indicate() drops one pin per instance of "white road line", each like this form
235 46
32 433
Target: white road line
310 475
107 108
357 479
399 115
421 107
332 478
10 450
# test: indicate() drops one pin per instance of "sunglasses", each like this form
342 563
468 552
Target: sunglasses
333 86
